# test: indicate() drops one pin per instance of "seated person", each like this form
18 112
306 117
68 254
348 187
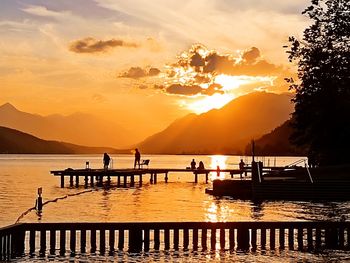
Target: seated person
201 166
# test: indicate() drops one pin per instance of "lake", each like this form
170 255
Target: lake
179 200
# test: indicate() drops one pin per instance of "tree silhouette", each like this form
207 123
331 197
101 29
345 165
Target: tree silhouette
321 118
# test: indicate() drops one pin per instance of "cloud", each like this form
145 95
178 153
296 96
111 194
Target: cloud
187 90
200 71
204 61
44 12
138 72
92 45
251 55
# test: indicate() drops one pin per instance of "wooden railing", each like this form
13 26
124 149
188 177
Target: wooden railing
43 239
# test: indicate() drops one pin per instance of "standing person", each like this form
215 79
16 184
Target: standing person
193 164
106 160
241 167
137 158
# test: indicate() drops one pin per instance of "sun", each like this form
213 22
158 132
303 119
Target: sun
205 104
231 88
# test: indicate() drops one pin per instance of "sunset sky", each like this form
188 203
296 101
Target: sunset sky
142 63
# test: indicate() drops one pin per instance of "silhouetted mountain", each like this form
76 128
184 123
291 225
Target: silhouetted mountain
13 141
77 128
276 143
226 130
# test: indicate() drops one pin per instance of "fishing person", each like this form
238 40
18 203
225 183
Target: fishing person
137 158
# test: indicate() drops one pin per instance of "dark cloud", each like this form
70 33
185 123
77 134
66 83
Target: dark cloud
251 55
191 89
180 89
92 45
138 72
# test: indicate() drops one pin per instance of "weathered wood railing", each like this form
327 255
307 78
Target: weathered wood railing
50 238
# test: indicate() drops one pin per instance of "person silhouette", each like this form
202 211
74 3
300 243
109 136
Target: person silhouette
241 167
201 166
193 164
137 158
106 160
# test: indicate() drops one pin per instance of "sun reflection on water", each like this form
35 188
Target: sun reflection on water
217 161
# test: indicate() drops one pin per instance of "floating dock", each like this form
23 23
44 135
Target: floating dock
129 177
326 183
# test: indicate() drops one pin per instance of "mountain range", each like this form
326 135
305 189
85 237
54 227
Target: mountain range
77 128
13 141
277 143
227 130
222 131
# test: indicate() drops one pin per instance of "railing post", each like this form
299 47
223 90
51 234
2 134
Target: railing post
263 238
195 239
156 239
281 238
52 241
166 239
111 240
309 238
18 241
318 238
82 240
291 238
186 238
300 238
93 240
42 243
176 238
62 242
146 239
272 238
232 238
135 239
32 241
102 241
243 238
121 239
332 237
204 239
213 238
72 241
222 238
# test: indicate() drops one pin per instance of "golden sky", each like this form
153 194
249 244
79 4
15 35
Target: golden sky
142 63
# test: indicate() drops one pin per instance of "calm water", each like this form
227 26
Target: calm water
179 200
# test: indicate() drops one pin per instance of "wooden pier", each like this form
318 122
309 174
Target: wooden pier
45 239
127 177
